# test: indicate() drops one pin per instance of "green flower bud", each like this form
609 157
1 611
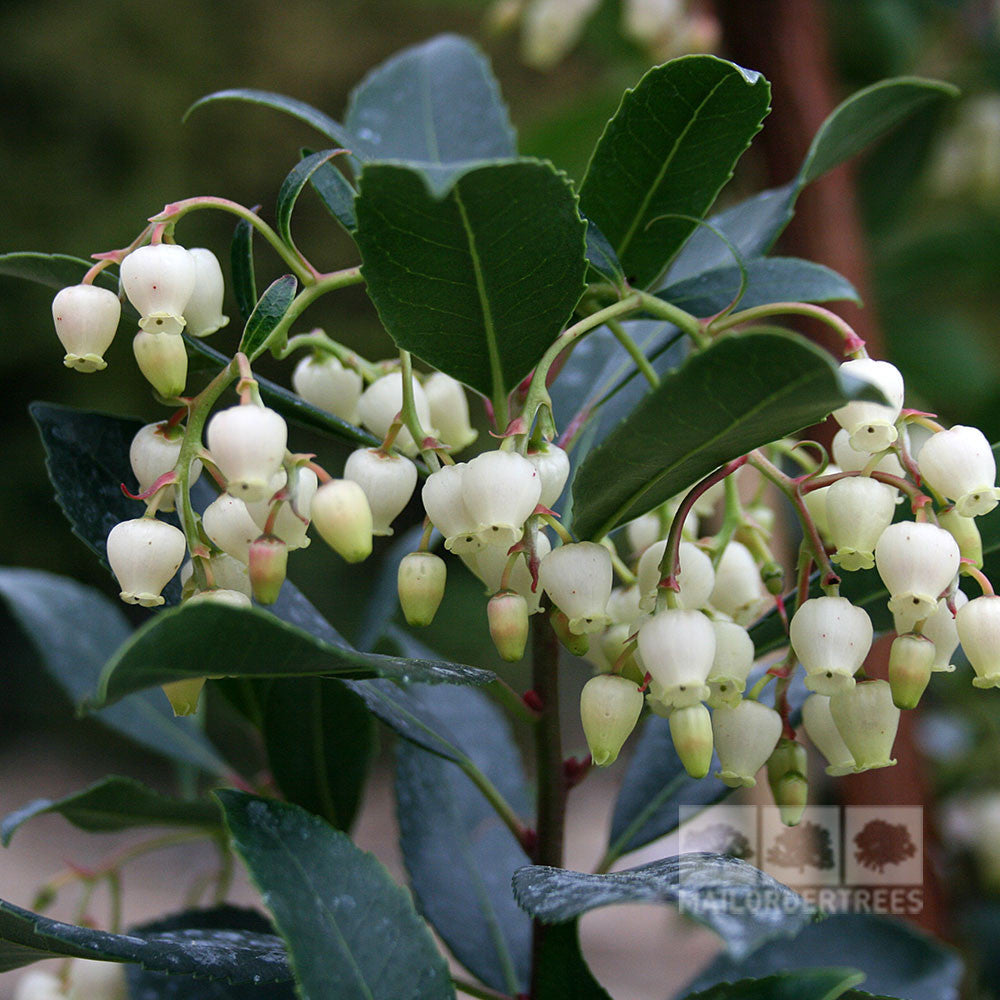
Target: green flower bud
268 565
911 661
691 731
575 644
162 359
420 582
508 617
610 706
965 531
787 774
183 695
343 518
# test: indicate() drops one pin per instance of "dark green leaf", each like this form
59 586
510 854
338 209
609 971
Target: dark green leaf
757 908
602 258
897 959
75 629
242 267
115 803
184 642
335 191
54 270
291 187
563 973
768 279
352 934
742 392
236 956
479 282
320 739
459 854
267 314
383 604
669 149
809 984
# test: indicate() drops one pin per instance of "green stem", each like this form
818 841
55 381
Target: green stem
673 314
640 359
409 413
317 340
831 319
500 805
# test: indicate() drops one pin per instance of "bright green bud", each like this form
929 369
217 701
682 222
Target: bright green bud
911 661
965 531
787 774
183 695
575 644
691 731
268 565
162 359
610 706
420 582
508 617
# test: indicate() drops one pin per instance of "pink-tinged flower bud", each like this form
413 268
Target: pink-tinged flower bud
86 320
449 411
959 464
219 595
501 490
93 980
227 574
39 984
696 576
867 720
291 523
831 638
159 281
744 738
420 582
849 459
610 706
825 736
248 444
858 510
733 660
691 732
489 563
203 313
788 776
575 645
941 629
917 561
228 523
383 399
388 482
911 660
965 531
162 359
978 624
144 555
552 464
815 501
343 518
268 566
183 695
872 426
153 453
739 591
677 648
325 383
578 578
507 613
444 502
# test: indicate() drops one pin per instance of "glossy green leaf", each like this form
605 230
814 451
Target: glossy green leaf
459 855
267 314
184 642
242 268
478 283
232 955
760 908
54 270
671 146
563 973
352 934
809 984
601 257
897 959
74 630
335 192
291 187
742 392
320 739
116 803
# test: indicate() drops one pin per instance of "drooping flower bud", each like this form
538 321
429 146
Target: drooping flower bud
501 490
227 574
449 411
325 383
183 695
153 453
858 510
507 613
228 523
86 320
696 576
343 518
788 776
643 532
383 399
420 582
388 482
867 720
162 359
691 732
940 628
578 578
623 605
610 706
268 565
738 591
203 312
613 643
965 531
815 501
872 426
849 459
144 555
91 980
248 444
744 738
733 660
444 502
825 736
291 523
552 464
958 463
831 637
677 648
575 645
159 281
978 624
488 564
917 561
911 660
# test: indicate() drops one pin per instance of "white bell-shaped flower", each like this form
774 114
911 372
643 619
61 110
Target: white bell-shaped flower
500 490
872 426
825 736
643 532
696 576
325 383
867 720
941 629
958 463
610 706
831 637
159 281
86 320
230 526
449 409
443 498
144 554
738 591
623 605
815 501
227 574
745 736
578 578
731 665
343 518
248 444
383 400
488 564
677 648
978 624
203 313
153 453
388 482
162 359
917 561
858 510
849 459
87 979
552 464
291 524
